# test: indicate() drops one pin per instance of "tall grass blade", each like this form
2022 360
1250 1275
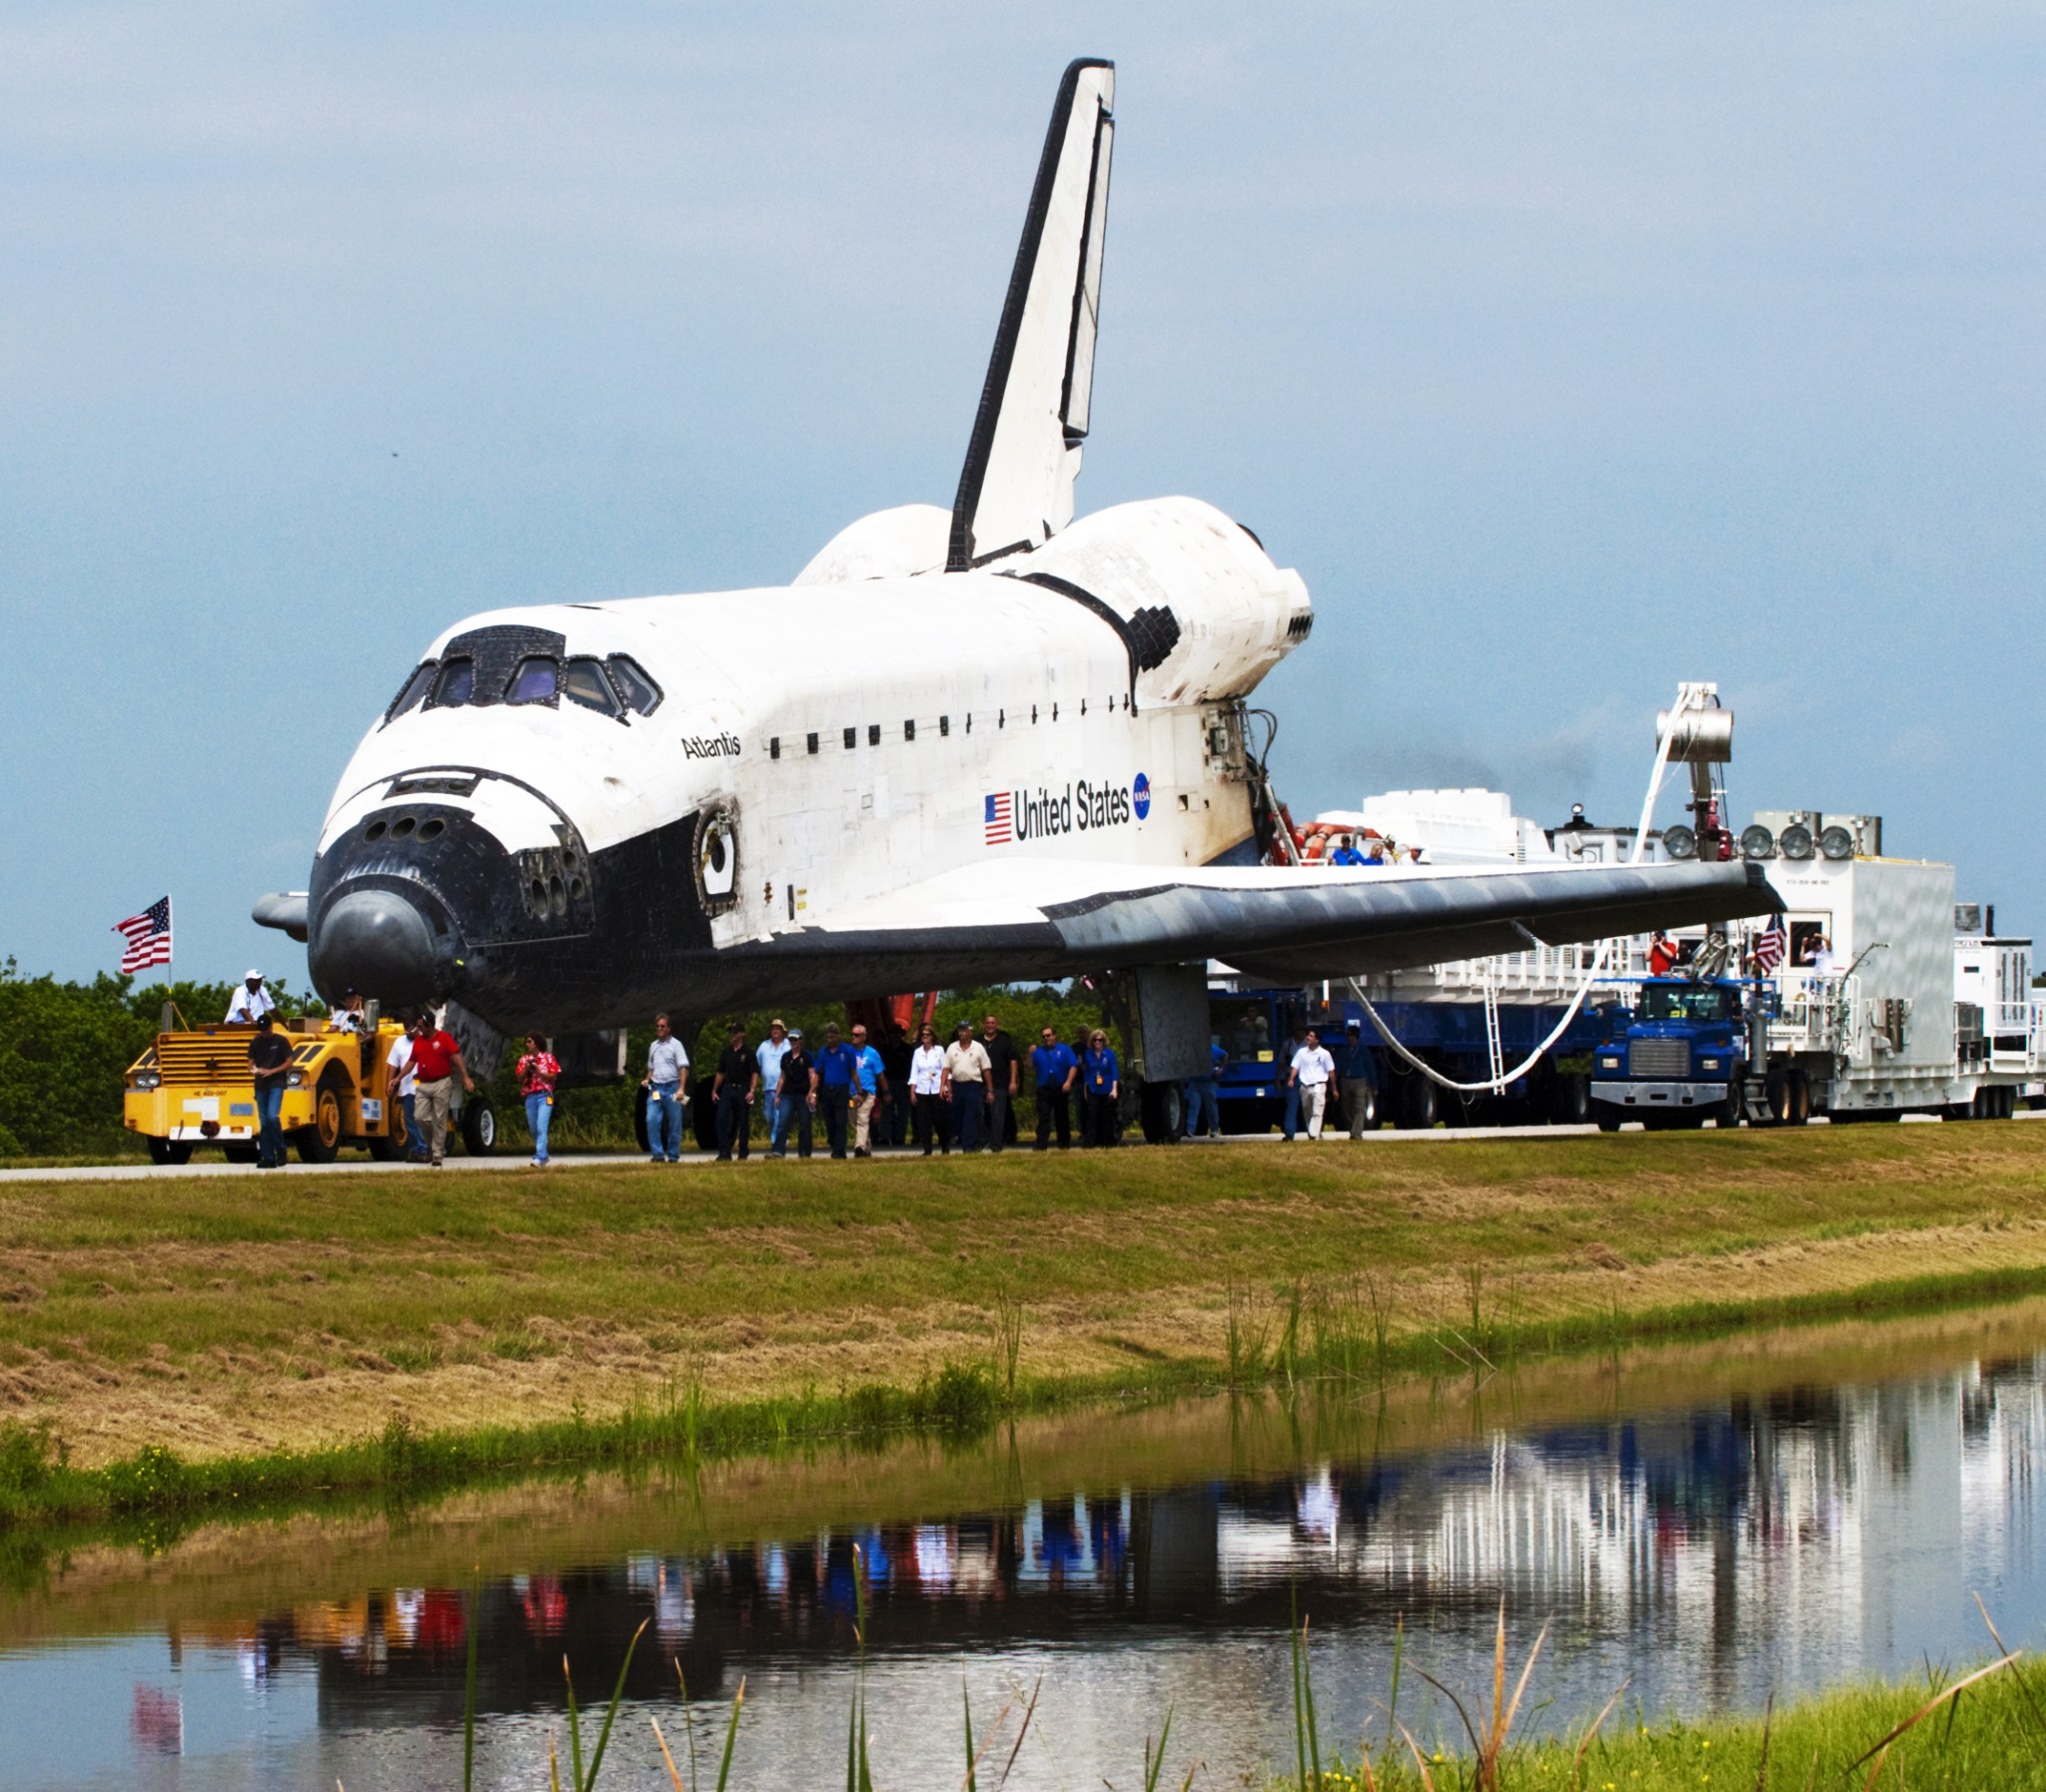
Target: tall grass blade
553 1766
972 1759
1153 1763
1605 1711
2018 1675
1293 1638
575 1731
1761 1771
1881 1749
1307 1689
603 1736
732 1734
1399 1654
1420 1760
1029 1711
674 1777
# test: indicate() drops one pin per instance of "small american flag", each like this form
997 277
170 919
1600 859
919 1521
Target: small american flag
149 936
1000 823
1768 947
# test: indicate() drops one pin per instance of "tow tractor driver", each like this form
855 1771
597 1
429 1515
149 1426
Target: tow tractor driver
251 1002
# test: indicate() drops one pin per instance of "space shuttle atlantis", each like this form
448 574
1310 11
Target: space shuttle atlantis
981 746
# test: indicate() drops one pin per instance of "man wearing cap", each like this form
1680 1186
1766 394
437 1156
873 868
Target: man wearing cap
270 1061
968 1071
1357 1069
835 1066
769 1055
799 1099
733 1086
436 1059
251 1002
347 1014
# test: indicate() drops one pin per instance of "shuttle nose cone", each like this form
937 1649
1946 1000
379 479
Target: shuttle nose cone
378 942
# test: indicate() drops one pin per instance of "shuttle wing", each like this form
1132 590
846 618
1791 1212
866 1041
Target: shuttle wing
1016 487
1053 918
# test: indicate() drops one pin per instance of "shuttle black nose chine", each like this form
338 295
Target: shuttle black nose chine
377 940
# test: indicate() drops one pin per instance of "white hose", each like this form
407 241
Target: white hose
1687 698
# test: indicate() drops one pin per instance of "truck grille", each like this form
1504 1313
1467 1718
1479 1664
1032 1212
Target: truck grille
1659 1058
194 1058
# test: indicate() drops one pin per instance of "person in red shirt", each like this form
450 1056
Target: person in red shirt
1662 956
538 1071
436 1060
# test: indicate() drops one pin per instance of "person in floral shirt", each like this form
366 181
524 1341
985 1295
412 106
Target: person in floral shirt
538 1071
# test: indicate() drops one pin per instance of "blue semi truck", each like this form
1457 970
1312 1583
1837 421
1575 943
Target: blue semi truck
1259 1029
1681 1056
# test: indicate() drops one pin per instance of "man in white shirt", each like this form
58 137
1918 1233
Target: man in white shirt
1311 1072
967 1069
251 1002
347 1014
666 1083
769 1056
400 1084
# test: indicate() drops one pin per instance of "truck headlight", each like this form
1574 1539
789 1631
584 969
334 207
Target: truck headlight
1608 1063
297 1080
1709 1064
146 1079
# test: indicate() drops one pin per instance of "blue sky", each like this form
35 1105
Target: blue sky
1566 352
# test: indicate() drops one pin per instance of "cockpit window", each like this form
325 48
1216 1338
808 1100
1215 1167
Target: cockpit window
414 692
457 683
639 690
537 680
584 683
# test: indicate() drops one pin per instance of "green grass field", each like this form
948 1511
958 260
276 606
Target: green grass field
232 1316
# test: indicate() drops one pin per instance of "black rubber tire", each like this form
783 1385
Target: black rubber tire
643 1137
704 1117
479 1125
1571 1104
1609 1117
170 1151
1420 1104
320 1143
239 1154
1731 1112
383 1147
1163 1111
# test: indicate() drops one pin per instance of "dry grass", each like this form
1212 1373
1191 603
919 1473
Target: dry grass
232 1316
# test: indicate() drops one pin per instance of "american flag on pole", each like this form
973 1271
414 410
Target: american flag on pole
1000 820
1769 946
149 936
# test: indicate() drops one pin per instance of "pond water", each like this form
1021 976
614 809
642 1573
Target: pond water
1777 1512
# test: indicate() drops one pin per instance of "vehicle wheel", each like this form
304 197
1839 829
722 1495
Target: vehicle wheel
239 1154
1609 1117
1729 1111
1163 1113
643 1137
479 1125
384 1148
1419 1102
1240 1118
320 1143
703 1116
1572 1102
1801 1092
170 1151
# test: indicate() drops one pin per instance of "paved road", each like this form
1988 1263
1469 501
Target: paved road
563 1165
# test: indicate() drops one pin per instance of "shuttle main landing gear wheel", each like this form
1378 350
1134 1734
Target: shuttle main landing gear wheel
1162 1109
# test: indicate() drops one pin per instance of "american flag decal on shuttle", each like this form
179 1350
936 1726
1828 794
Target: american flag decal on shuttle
1000 823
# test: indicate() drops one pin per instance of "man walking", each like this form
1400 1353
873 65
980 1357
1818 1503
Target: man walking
666 1083
1360 1074
436 1060
270 1060
399 1084
769 1056
798 1098
1204 1096
1056 1071
1005 1070
1312 1073
738 1082
834 1087
966 1081
870 1082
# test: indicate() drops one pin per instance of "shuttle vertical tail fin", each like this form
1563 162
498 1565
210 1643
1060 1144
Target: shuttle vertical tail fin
1016 487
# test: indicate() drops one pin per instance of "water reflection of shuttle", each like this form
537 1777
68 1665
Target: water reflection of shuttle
1740 1535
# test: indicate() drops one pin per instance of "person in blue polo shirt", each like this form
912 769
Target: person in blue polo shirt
1056 1071
834 1087
1101 1078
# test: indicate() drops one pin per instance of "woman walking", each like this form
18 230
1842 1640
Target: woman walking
1101 1078
538 1072
926 1093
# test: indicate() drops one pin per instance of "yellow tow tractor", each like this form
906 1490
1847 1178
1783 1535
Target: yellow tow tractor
193 1088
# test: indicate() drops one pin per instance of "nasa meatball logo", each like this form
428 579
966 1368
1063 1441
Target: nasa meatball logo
1140 795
